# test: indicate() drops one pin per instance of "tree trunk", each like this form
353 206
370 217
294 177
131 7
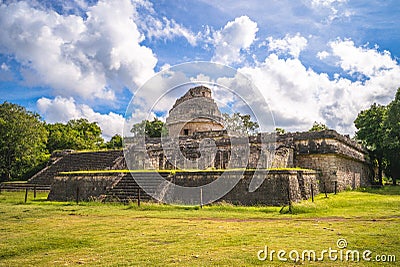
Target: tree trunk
380 171
394 180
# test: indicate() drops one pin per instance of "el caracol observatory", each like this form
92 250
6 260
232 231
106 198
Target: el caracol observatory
196 111
294 166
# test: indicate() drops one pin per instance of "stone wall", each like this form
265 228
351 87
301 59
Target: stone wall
323 142
87 186
278 187
275 190
336 158
348 173
218 155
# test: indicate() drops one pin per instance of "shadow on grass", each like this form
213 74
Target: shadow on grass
385 190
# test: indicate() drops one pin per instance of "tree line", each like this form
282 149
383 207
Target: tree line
26 141
378 128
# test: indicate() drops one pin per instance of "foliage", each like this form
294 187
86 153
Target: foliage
371 132
240 124
318 126
280 130
115 142
154 128
76 134
23 139
370 124
392 142
379 130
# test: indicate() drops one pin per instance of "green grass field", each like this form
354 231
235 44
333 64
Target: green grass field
42 233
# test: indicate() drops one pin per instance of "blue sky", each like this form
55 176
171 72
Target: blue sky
312 60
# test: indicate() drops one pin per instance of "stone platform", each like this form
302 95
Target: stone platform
278 188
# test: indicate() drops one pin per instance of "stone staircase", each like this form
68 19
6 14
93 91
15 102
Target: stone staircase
127 189
77 161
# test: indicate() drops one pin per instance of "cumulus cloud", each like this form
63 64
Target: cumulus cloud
322 55
236 36
62 109
362 60
167 29
87 57
298 96
332 9
326 3
291 45
161 28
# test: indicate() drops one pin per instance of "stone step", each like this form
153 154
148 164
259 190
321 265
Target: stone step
100 160
127 188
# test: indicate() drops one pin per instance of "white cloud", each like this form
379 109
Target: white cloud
326 3
322 55
362 60
62 109
167 29
291 45
236 36
336 9
89 58
4 67
298 96
161 28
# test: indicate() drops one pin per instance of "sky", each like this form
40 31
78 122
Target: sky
311 60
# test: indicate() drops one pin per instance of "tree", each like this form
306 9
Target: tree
76 134
317 127
154 128
392 141
280 130
115 142
23 138
240 124
372 133
88 134
60 137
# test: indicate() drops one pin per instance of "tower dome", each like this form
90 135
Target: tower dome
196 111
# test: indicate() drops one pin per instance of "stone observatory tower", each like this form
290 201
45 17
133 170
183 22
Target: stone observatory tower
196 111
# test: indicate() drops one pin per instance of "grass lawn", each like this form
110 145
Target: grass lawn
42 233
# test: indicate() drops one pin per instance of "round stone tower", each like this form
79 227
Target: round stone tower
196 111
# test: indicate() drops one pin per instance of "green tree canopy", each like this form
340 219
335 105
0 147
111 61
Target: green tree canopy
318 126
115 142
240 124
23 138
280 130
76 134
392 141
379 130
154 128
371 132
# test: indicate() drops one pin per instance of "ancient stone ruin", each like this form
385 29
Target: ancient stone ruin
291 165
196 111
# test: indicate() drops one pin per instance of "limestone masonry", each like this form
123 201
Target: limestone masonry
300 162
196 111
